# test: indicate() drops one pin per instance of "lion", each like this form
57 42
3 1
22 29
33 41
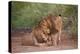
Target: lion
48 31
55 23
40 33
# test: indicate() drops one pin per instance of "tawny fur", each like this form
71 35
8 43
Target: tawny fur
48 30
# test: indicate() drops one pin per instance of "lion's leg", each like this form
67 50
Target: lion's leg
56 39
59 39
49 41
35 42
52 39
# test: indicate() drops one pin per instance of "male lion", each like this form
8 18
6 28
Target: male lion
55 23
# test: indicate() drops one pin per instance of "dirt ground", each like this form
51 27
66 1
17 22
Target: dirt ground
22 42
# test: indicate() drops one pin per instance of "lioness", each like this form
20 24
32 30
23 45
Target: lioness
40 33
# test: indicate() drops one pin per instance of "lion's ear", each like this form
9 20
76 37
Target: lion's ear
60 15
